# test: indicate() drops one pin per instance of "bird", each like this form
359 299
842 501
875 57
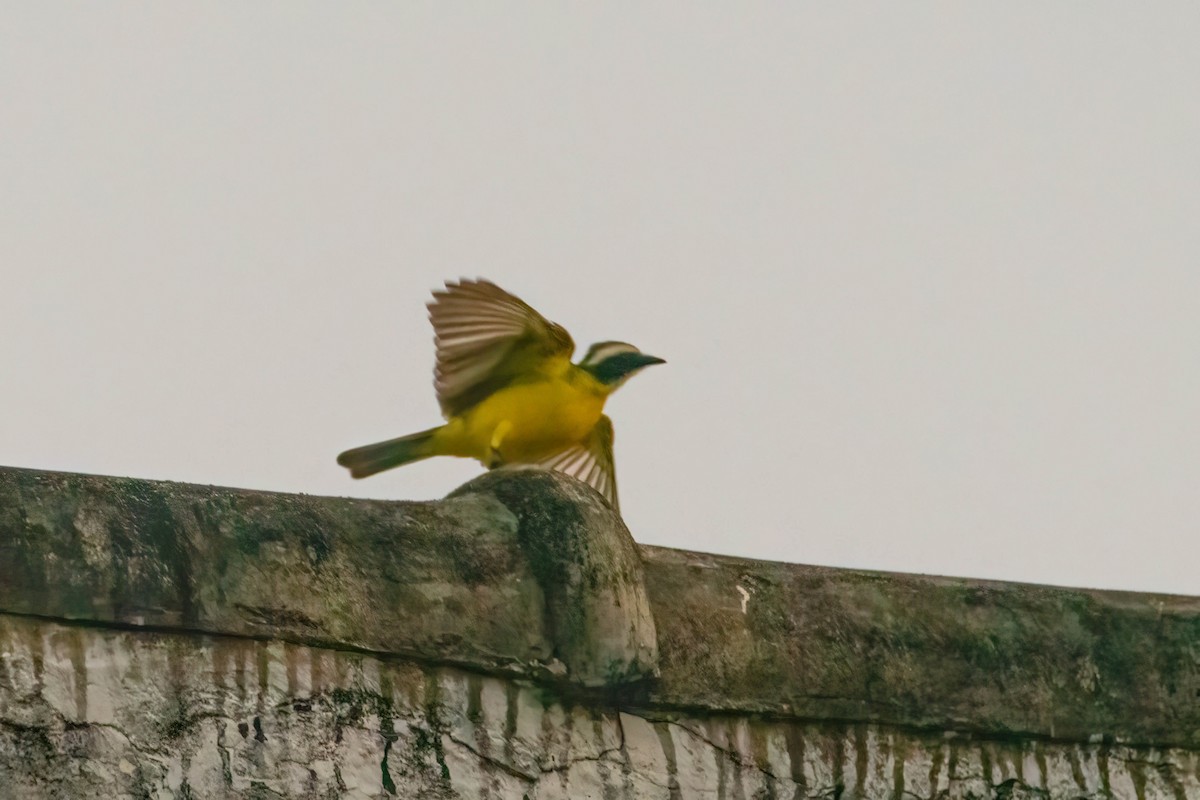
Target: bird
509 393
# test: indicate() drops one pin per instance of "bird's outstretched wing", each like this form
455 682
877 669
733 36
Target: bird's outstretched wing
485 337
591 462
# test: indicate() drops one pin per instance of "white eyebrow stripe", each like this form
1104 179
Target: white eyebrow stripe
606 350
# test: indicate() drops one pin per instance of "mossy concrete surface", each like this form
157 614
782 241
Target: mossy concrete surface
524 574
993 658
546 582
597 611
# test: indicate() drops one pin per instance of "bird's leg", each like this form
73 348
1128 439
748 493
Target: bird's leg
494 459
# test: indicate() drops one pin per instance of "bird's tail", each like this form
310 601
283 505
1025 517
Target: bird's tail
372 458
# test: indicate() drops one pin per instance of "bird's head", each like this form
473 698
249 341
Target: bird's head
612 363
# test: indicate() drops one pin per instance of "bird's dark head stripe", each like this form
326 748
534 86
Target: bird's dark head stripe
611 362
602 350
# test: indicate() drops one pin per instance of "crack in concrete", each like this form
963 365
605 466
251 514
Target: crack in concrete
501 765
582 759
63 724
627 763
261 786
516 772
500 666
733 754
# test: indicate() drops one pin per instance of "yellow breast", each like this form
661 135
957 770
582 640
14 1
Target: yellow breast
531 421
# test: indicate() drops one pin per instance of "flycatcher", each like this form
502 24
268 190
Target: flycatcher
510 394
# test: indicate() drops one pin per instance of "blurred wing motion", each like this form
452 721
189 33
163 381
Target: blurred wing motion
591 462
485 338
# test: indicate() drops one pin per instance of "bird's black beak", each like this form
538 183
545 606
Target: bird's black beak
643 360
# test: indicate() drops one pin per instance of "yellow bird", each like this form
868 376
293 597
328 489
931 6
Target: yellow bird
510 394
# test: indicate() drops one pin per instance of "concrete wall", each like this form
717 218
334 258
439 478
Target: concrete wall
163 640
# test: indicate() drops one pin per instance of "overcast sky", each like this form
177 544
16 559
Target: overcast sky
927 276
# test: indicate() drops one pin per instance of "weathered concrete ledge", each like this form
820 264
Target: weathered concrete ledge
995 659
556 593
527 575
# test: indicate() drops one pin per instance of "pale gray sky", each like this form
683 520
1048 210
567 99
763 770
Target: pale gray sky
926 275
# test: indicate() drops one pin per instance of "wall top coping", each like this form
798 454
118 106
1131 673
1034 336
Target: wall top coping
529 574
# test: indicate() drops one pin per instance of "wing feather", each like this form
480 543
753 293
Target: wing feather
591 462
485 337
